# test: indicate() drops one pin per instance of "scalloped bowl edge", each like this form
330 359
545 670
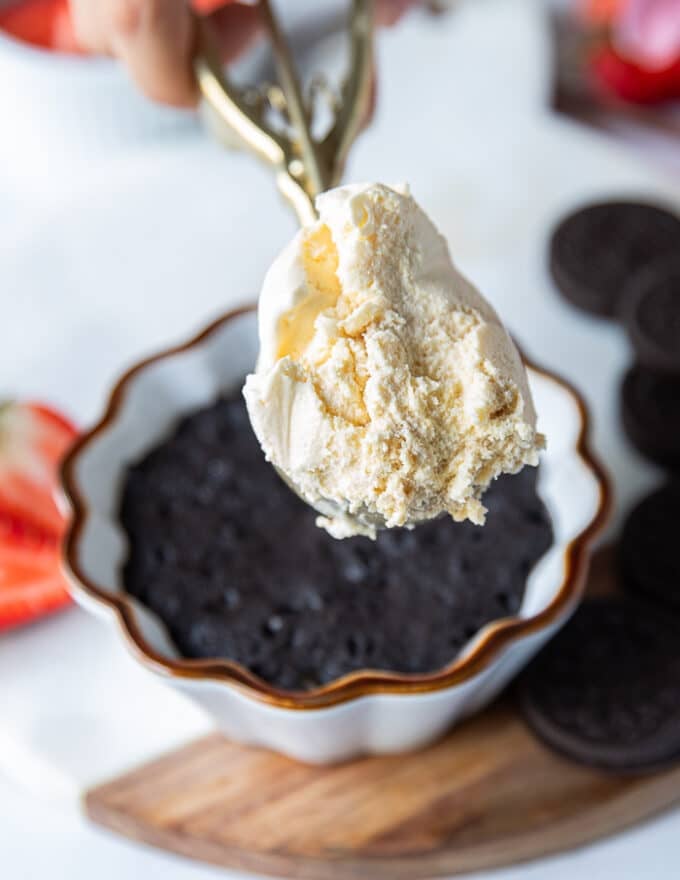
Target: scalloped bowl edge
366 711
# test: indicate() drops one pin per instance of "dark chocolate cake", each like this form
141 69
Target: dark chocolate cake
232 562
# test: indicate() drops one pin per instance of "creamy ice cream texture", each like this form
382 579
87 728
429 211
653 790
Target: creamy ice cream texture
386 390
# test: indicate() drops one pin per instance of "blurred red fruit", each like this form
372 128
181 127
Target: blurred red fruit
33 441
44 23
630 82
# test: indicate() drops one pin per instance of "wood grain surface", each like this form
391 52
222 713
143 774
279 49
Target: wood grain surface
488 794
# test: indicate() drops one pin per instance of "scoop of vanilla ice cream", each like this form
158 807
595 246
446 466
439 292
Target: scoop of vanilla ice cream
385 383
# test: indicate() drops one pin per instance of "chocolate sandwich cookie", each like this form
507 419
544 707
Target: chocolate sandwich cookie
650 411
649 555
596 250
651 311
606 690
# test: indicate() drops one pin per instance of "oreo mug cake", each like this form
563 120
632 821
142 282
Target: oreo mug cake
232 562
388 394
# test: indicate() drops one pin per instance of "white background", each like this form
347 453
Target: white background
124 229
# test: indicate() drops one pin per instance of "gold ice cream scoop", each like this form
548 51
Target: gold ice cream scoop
303 165
274 121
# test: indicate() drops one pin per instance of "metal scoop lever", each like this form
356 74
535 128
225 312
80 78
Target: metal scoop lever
304 167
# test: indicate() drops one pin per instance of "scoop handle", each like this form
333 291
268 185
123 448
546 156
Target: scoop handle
303 166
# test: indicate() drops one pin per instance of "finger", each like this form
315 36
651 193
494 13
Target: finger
238 26
89 33
155 40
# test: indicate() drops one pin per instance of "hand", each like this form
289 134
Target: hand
155 38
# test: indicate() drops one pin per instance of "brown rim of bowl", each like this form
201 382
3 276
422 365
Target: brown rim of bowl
493 638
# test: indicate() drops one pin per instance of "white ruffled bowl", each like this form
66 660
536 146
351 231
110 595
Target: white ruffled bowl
366 711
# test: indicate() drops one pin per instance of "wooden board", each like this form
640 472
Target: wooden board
487 795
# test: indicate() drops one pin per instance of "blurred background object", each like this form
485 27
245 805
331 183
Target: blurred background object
33 441
617 67
44 23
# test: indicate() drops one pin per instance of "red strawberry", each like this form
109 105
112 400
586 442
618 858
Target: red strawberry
45 23
633 83
33 440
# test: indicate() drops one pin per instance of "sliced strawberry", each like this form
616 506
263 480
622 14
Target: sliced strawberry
633 83
31 582
33 440
31 597
22 542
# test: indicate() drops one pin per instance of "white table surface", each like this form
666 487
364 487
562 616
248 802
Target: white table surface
126 246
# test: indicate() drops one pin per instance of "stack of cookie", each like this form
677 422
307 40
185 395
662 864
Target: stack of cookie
622 260
650 404
606 690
